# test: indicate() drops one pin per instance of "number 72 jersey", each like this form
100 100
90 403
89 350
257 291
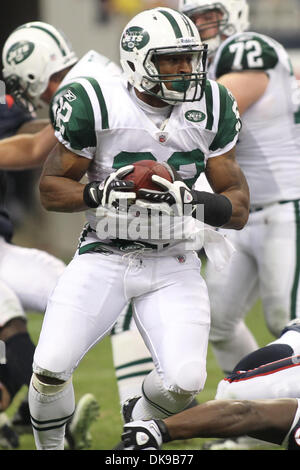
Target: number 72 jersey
268 149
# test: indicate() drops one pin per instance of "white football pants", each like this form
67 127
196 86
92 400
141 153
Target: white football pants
170 304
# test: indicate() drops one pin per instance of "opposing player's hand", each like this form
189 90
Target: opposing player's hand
142 435
109 192
170 200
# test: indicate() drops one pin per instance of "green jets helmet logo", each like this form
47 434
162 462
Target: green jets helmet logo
134 37
19 52
194 116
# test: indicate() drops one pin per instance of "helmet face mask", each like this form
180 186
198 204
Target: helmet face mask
163 32
31 55
233 18
19 91
161 84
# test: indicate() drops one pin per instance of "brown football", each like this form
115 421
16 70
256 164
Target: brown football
142 173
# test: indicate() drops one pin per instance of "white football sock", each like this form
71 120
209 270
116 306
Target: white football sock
51 406
158 402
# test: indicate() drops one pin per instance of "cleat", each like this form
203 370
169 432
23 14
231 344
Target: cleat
127 409
77 430
292 325
8 437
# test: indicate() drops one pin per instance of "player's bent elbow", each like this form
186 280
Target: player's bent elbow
242 220
239 217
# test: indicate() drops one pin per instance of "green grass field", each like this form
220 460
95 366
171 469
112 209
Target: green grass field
95 374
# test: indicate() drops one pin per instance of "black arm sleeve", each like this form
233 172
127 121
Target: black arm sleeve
217 208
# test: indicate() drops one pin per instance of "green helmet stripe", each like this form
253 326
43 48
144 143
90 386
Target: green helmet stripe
173 23
50 34
188 26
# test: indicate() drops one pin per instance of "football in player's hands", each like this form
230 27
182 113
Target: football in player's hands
142 174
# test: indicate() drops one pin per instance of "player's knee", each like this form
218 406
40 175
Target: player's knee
190 377
48 385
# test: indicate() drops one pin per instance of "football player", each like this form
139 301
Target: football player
259 399
164 110
258 71
32 81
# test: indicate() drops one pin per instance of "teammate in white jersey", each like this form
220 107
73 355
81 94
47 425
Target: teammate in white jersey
166 111
260 399
259 73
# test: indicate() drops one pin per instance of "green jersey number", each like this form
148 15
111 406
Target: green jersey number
62 114
189 164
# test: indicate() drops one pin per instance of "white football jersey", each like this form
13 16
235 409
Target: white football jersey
268 149
96 117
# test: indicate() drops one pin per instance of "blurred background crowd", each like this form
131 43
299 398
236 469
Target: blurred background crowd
97 24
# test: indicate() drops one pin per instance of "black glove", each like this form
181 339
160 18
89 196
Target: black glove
108 192
145 435
177 199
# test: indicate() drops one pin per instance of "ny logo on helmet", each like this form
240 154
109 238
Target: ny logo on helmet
134 37
19 52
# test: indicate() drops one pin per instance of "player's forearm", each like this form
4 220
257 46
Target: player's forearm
16 153
61 194
239 197
211 419
226 178
240 210
269 420
26 150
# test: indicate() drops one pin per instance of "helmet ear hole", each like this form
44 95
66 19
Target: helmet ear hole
31 76
131 65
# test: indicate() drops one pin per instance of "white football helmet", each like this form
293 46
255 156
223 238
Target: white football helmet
163 31
31 54
235 17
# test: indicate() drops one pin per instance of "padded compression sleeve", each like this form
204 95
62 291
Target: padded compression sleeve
217 207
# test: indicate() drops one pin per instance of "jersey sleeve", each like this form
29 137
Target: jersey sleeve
229 123
246 51
72 117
